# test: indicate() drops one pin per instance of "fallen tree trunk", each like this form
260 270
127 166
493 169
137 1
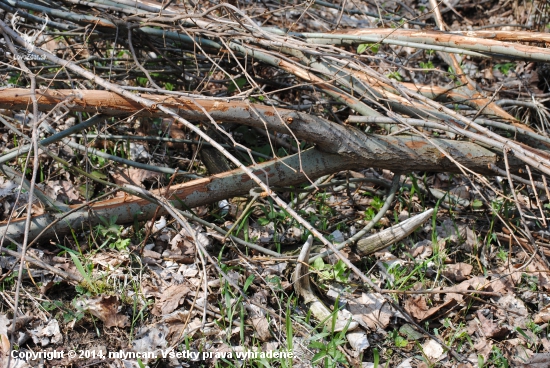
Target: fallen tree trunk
339 148
396 153
194 193
313 162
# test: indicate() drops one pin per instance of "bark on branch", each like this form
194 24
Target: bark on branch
396 153
194 193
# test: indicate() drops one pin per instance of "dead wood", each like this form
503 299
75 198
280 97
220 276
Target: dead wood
404 154
194 193
396 153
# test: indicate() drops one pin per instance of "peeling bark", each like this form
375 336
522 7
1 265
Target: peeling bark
230 184
194 193
339 148
396 153
470 41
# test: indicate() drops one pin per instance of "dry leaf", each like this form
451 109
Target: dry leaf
151 338
488 74
471 327
6 187
407 363
537 269
358 341
371 310
62 191
5 347
387 174
458 272
138 152
462 191
177 320
106 309
417 307
519 315
188 270
448 229
133 176
491 329
45 335
151 254
543 315
184 241
403 215
433 350
261 325
474 283
422 249
541 360
4 340
483 346
497 286
170 299
109 259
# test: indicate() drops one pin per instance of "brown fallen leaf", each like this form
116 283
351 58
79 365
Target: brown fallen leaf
371 310
4 340
509 276
498 286
133 176
261 325
476 283
110 259
417 307
180 323
177 133
537 269
358 342
170 299
5 348
422 250
151 254
483 346
471 327
479 283
433 350
543 315
151 338
185 241
491 329
62 190
517 314
106 309
458 272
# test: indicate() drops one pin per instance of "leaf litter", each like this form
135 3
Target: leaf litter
454 276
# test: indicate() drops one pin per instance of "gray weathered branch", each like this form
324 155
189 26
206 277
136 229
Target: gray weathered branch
396 153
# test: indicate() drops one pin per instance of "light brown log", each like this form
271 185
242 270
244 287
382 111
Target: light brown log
194 193
396 153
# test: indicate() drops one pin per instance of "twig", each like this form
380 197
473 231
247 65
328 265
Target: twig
154 218
34 142
164 139
518 205
381 213
543 216
31 259
137 62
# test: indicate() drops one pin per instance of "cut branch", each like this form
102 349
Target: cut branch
399 154
194 193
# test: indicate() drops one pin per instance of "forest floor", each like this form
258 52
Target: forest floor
468 287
